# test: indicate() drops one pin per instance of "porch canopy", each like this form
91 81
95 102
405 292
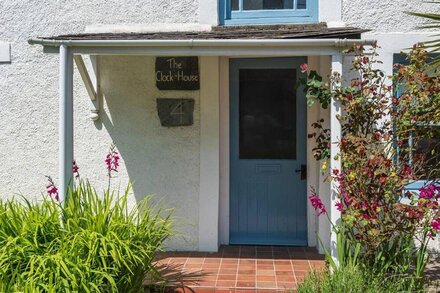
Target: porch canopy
272 40
243 41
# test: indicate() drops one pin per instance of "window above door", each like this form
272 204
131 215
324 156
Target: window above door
248 12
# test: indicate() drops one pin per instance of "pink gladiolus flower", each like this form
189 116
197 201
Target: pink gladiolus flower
304 67
112 160
52 190
75 170
430 191
436 224
339 206
317 204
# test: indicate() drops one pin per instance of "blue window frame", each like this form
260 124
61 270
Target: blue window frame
416 185
242 12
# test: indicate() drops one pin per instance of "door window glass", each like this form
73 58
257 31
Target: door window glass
267 114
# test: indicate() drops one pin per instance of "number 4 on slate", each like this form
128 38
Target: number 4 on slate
178 110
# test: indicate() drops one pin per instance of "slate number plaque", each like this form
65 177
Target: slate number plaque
175 112
177 73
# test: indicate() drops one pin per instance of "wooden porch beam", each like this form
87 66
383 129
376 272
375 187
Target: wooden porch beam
82 69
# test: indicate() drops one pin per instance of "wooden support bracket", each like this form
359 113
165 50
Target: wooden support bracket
91 82
90 86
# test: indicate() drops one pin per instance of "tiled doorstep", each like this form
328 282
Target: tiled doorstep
248 268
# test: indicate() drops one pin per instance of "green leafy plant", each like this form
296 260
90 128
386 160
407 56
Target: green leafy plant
92 242
353 279
347 250
379 151
433 22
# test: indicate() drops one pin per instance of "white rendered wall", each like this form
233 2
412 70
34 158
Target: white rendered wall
330 11
29 85
208 12
160 161
385 15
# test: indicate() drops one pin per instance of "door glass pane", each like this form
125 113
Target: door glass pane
267 4
301 4
267 114
234 5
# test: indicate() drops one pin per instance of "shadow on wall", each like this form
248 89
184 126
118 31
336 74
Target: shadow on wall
158 160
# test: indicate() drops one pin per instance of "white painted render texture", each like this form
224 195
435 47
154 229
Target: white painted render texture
5 52
386 15
159 160
163 161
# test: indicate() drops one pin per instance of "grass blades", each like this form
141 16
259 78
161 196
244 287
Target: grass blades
354 279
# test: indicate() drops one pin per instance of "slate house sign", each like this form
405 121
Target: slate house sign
177 73
175 112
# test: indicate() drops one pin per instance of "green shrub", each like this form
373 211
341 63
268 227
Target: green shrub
92 243
353 279
383 226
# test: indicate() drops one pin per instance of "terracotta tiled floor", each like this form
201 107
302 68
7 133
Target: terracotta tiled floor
240 268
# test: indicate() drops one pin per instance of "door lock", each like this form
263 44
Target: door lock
303 172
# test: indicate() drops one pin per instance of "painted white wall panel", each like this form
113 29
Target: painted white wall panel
208 12
209 155
5 52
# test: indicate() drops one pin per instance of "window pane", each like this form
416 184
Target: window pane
301 4
427 151
234 4
267 4
267 114
423 152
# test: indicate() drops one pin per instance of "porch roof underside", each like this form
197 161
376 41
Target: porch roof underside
264 40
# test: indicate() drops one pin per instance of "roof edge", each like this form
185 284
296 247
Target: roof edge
338 43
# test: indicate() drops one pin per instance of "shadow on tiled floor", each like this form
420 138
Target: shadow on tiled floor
240 268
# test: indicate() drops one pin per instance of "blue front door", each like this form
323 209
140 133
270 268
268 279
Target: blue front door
267 152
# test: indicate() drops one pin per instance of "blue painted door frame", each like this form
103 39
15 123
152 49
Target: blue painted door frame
268 201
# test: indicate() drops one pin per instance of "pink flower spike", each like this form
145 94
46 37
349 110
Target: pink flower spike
317 204
75 170
304 67
112 160
436 224
429 192
339 206
52 190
